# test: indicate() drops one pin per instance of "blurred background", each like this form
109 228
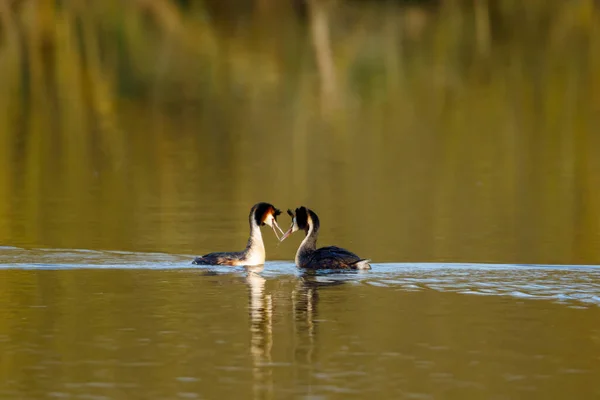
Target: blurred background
418 130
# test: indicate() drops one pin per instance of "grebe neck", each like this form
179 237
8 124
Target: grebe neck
309 244
255 249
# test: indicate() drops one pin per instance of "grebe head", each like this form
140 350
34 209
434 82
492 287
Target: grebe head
299 221
266 214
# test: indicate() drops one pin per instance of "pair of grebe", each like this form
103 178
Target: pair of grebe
307 256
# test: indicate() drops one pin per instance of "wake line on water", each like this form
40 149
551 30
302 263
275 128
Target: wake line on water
572 284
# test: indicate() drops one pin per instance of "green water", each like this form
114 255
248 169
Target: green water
99 325
141 133
446 133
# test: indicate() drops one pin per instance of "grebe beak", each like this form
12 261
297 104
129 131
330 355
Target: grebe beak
277 226
287 234
274 225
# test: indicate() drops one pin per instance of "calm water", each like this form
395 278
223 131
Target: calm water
426 135
117 325
458 134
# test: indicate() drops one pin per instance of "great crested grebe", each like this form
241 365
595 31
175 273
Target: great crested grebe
254 253
308 256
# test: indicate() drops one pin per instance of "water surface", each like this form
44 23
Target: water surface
118 325
429 136
460 132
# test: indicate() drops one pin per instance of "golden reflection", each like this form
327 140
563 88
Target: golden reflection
200 333
153 125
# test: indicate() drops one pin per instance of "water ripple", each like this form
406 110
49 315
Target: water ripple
575 285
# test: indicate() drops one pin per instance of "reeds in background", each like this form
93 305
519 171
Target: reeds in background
456 130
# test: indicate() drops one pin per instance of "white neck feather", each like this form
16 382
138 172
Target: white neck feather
303 244
256 252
